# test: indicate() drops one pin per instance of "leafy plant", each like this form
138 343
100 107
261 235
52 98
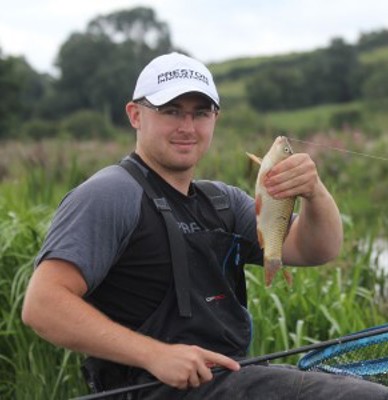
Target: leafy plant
347 295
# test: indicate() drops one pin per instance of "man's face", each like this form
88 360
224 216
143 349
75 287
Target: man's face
175 136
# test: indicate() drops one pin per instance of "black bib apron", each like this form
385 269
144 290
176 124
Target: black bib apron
218 322
200 307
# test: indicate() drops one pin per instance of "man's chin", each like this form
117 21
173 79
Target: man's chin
181 167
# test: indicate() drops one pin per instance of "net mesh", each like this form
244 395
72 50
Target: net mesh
365 358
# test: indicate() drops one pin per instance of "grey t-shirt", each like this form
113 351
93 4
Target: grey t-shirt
109 217
94 222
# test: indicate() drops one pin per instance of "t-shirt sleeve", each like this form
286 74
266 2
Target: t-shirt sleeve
93 224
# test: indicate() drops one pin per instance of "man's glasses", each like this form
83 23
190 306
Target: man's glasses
173 113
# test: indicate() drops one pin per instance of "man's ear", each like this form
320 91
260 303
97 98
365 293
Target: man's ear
133 113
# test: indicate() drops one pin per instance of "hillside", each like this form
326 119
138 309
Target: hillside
363 109
233 76
329 87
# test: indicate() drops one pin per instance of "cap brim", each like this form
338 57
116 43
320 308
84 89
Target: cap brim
164 96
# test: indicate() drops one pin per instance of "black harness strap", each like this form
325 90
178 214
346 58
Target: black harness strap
176 240
219 200
221 203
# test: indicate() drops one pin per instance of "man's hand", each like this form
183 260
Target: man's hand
318 216
183 366
295 176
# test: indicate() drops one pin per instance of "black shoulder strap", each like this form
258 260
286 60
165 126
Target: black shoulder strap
219 200
175 237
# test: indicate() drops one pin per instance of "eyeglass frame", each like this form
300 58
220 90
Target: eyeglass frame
180 113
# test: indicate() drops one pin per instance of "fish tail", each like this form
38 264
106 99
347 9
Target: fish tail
271 266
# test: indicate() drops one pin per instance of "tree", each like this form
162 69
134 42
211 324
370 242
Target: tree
80 59
139 26
276 88
10 89
34 88
340 72
375 87
263 93
373 40
99 67
330 75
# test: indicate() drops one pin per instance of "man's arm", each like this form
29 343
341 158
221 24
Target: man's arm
55 309
316 235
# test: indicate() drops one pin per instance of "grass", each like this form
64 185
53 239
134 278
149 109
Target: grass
379 55
323 303
343 297
29 367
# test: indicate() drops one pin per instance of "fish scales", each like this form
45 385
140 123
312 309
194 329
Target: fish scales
272 215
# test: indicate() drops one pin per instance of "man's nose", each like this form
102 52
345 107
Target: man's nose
187 121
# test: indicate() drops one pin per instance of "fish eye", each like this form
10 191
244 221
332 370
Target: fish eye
286 149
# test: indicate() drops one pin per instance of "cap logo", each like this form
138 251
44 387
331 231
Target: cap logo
182 74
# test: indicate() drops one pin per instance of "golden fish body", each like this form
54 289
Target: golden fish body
272 215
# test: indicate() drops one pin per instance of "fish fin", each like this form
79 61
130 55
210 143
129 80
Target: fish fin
258 203
287 276
254 158
261 238
271 266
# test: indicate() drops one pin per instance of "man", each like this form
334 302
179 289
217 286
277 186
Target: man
106 283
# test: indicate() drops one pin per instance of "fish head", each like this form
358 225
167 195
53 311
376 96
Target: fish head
280 149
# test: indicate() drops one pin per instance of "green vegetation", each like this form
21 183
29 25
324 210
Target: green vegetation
55 132
29 368
347 295
98 68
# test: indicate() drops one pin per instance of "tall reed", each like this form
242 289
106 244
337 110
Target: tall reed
344 296
30 368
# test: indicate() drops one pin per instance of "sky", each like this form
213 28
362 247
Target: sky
210 30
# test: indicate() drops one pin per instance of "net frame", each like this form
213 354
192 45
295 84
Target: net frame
365 358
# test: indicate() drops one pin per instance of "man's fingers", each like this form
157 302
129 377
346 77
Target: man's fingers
220 360
205 373
295 176
194 379
189 366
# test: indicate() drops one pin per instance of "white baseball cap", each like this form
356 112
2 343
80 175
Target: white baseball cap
171 75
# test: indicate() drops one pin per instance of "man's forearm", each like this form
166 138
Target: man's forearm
68 321
316 233
54 307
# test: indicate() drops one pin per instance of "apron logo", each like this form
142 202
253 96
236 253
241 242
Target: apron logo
217 297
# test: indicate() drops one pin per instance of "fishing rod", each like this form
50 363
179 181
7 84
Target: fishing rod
355 337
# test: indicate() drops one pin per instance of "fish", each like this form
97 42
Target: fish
272 215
